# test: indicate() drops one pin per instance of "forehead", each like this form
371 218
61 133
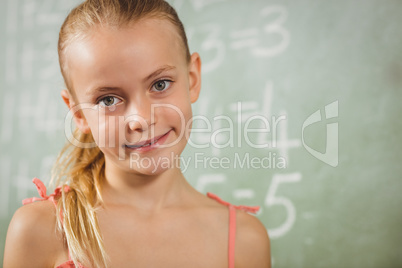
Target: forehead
115 52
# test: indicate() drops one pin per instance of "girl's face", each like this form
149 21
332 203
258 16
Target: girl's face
134 84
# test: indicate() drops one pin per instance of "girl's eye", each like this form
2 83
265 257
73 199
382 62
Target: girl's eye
109 101
161 85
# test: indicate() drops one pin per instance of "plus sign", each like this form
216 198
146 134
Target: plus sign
282 142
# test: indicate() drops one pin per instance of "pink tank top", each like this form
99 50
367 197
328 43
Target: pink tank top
232 218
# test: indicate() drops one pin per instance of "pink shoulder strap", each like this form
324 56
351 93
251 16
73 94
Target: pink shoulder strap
232 224
42 192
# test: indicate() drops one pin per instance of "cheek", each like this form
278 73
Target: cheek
112 130
91 118
181 105
175 112
178 116
104 128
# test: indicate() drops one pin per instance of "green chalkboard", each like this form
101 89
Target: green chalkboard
299 113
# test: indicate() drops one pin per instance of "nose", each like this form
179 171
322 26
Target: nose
140 116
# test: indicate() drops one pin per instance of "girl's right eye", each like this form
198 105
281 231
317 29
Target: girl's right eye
109 101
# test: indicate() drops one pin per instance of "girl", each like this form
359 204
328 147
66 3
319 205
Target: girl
122 199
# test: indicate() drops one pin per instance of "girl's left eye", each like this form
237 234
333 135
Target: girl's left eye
109 101
161 85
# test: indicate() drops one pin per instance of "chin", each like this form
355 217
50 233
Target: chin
150 171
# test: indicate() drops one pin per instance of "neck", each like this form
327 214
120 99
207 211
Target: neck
143 191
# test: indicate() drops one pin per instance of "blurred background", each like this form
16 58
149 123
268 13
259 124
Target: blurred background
318 85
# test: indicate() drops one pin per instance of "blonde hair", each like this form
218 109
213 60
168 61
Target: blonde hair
82 169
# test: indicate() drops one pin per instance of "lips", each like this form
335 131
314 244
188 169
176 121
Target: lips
146 142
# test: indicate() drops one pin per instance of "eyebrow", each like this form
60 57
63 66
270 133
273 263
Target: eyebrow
157 72
101 89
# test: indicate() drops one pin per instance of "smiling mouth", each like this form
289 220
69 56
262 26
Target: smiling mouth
139 146
147 142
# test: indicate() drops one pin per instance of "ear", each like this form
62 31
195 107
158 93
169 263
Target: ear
195 76
79 118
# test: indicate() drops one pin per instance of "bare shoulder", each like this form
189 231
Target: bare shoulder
252 242
32 237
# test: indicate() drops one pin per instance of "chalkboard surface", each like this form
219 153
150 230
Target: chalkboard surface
303 106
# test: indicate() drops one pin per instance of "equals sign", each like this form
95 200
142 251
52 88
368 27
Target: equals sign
244 194
244 38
